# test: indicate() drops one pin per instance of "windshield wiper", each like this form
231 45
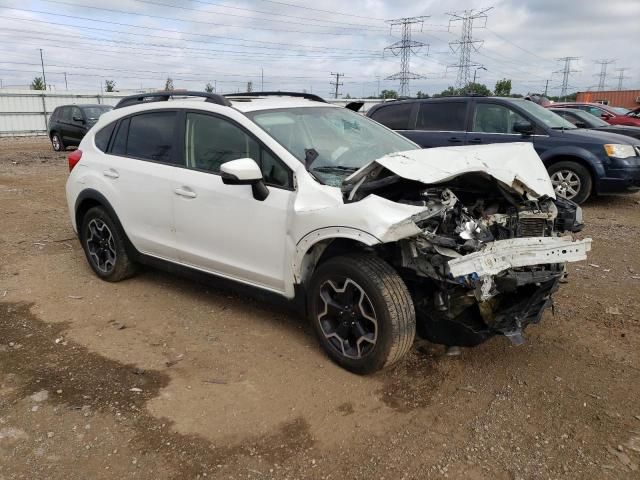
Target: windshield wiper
334 168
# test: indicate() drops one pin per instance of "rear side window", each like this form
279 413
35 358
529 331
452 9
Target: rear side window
444 116
395 116
103 137
151 136
65 114
119 146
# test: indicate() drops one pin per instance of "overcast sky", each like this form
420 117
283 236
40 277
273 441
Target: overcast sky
138 43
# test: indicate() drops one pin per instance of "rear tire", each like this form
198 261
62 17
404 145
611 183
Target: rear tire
103 242
361 312
57 143
571 180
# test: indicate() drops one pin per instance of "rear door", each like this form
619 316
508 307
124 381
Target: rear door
493 122
440 123
138 168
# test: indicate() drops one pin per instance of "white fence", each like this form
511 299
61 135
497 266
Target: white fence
27 112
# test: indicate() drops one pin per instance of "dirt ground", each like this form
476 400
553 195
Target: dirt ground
162 377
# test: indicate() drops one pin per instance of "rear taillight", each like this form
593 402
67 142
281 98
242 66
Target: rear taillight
74 157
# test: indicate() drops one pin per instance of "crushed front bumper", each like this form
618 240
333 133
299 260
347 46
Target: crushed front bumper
502 255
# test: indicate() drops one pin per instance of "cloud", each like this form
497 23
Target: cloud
139 43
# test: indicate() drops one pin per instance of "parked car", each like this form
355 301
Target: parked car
68 124
582 119
311 201
579 162
611 115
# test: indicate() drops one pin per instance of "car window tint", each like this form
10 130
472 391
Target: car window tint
119 146
103 136
151 136
65 115
211 141
445 116
274 172
395 116
493 118
76 113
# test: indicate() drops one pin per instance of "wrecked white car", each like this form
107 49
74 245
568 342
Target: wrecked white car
281 192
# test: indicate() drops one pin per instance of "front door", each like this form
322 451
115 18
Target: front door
222 228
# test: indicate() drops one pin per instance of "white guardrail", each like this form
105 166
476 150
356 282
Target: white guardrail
26 112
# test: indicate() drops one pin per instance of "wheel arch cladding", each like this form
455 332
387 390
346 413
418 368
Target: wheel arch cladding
89 198
319 246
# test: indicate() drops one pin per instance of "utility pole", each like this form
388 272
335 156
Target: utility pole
602 76
337 83
546 87
404 48
262 79
66 85
620 76
44 78
466 42
378 78
566 71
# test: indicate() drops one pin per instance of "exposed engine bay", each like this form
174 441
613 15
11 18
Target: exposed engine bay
489 254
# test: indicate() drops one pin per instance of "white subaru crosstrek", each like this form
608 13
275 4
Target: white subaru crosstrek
292 195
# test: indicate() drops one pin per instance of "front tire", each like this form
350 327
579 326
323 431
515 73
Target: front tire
57 143
362 312
103 242
571 180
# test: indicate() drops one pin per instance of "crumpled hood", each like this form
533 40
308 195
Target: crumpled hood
517 165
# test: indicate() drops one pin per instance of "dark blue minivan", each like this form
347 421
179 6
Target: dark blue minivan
580 162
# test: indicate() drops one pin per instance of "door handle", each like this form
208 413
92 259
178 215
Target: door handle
454 140
111 173
185 192
475 140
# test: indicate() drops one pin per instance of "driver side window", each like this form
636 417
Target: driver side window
493 118
211 141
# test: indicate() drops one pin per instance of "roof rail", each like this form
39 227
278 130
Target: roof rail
308 96
164 96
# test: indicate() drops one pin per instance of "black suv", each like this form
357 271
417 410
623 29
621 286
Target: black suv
69 124
580 162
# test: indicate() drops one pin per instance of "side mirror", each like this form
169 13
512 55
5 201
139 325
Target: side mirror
606 116
524 128
580 124
245 171
78 119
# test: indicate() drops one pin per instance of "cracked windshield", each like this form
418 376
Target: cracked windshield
332 142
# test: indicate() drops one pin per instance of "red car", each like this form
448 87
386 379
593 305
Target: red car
612 115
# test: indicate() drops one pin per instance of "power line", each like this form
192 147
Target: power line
319 10
179 32
621 76
466 42
404 48
173 19
566 71
337 84
602 76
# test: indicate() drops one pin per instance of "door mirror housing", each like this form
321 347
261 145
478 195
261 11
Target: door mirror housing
78 119
245 171
580 124
524 128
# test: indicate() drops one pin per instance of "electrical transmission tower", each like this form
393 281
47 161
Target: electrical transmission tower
466 42
337 83
404 48
566 71
621 76
602 76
